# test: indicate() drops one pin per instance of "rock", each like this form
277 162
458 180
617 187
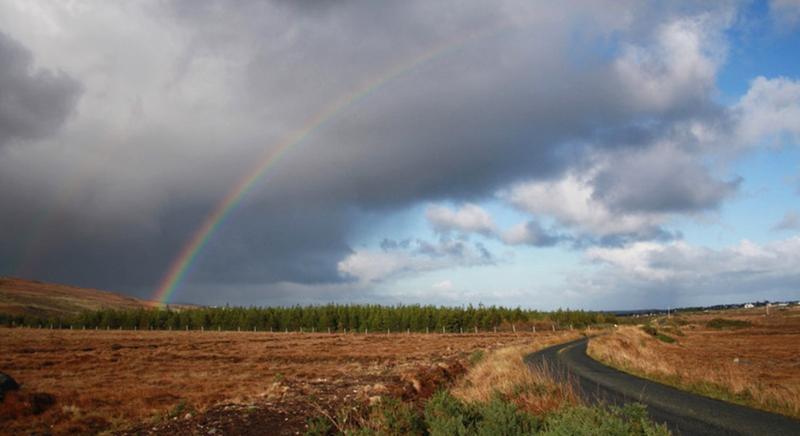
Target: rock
7 384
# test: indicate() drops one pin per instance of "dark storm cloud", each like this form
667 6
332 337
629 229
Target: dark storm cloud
490 110
661 180
33 102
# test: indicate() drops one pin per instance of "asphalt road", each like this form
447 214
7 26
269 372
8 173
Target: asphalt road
683 412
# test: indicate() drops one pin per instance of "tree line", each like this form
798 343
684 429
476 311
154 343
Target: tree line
320 318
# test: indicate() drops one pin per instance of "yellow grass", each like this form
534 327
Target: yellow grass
745 367
503 372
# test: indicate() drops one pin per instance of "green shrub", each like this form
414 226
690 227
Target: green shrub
394 417
500 417
630 420
723 323
446 415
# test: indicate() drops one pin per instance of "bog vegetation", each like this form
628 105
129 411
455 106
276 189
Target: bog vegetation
445 414
333 317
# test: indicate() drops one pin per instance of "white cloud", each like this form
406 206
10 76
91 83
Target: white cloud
470 218
678 67
572 203
417 257
681 267
769 111
372 266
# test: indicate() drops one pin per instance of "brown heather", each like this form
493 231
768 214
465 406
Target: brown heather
173 382
758 366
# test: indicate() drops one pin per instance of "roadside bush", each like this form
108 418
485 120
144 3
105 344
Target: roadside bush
629 420
391 417
445 415
500 417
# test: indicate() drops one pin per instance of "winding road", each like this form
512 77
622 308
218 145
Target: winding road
683 412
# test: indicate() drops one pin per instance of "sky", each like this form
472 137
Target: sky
592 155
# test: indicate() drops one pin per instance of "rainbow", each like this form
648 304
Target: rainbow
180 265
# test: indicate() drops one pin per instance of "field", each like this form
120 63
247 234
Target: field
185 382
742 356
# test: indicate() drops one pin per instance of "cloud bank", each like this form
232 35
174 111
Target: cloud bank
599 121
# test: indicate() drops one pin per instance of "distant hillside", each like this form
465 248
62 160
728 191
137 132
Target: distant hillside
35 298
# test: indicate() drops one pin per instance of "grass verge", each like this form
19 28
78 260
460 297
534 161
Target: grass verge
642 353
445 415
499 395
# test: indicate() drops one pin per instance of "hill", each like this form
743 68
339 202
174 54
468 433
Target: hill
35 298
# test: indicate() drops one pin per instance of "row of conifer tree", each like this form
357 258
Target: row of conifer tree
321 318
